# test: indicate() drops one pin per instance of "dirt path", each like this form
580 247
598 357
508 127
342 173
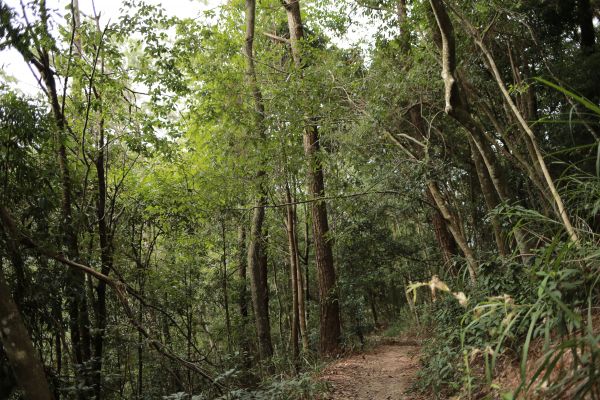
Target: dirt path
385 373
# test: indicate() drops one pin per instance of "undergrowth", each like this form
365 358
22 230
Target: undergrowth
530 326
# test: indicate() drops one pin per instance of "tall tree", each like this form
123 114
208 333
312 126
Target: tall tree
330 326
257 257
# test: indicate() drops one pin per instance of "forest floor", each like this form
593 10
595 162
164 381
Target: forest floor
385 372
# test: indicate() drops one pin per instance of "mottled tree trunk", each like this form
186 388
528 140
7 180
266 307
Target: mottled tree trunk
446 31
224 284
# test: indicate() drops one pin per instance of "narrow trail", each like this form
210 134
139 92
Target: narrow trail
384 373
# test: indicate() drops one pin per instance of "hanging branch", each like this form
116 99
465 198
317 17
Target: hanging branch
480 42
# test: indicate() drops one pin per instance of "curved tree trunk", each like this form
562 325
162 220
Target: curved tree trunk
457 108
489 196
446 241
454 225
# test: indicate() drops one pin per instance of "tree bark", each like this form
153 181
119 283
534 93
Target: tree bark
22 356
300 289
256 250
454 225
489 196
293 254
446 241
224 285
330 325
245 349
75 289
258 282
106 257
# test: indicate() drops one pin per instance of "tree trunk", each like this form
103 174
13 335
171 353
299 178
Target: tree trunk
489 196
224 285
140 347
330 326
256 250
293 251
106 257
306 262
258 282
75 288
454 225
300 285
457 108
243 298
22 356
445 240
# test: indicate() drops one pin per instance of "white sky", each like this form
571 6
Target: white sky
12 64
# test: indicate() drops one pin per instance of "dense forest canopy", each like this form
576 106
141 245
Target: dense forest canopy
212 206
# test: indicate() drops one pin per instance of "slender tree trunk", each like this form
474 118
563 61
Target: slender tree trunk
300 289
75 290
140 345
57 315
330 325
106 257
293 251
224 286
457 108
245 349
373 307
281 315
489 196
257 250
454 225
445 240
306 261
258 282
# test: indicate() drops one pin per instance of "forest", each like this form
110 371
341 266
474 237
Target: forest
221 205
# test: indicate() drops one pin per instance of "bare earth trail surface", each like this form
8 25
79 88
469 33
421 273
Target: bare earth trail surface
384 373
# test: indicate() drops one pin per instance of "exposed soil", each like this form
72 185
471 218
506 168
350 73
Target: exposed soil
384 373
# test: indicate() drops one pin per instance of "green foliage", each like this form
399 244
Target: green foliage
300 387
163 108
